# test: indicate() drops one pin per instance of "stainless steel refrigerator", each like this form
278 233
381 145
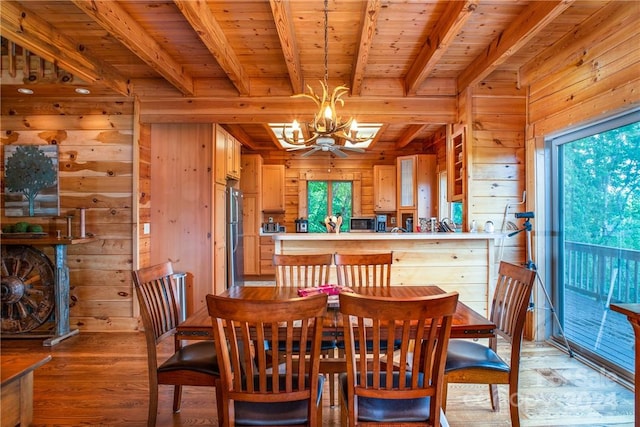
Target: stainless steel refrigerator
235 251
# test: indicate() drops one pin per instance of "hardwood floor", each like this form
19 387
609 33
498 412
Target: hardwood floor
100 379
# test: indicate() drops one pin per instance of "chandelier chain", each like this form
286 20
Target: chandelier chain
326 42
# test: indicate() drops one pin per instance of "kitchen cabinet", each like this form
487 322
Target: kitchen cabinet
417 188
251 236
266 256
251 186
456 164
219 239
227 156
233 150
220 155
251 182
273 188
384 188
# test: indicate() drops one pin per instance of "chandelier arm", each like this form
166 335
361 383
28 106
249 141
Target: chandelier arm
298 143
312 97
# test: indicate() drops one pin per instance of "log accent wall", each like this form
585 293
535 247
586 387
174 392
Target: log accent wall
95 140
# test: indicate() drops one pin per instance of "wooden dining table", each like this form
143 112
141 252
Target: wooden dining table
467 323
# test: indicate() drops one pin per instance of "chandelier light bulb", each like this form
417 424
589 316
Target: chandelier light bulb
353 131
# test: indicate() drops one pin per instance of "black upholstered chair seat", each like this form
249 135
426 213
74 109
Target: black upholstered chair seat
274 414
324 346
463 354
389 410
383 345
199 356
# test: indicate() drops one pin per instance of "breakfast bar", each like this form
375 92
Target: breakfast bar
463 262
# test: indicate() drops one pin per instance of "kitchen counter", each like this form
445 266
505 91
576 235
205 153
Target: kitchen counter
464 262
383 236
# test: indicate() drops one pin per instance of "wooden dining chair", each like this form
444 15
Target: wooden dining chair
395 388
472 362
194 364
302 271
252 390
305 271
368 270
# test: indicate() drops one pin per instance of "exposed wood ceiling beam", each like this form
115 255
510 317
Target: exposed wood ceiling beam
32 32
369 21
400 110
207 28
281 10
445 31
113 18
526 25
409 135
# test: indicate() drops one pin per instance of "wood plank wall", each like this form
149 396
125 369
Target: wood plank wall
592 73
496 158
95 140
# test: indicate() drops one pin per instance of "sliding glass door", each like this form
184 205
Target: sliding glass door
596 215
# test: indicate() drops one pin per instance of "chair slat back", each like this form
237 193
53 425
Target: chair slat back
249 335
302 271
511 300
368 270
422 324
159 306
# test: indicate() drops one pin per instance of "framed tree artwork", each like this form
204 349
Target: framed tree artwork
31 180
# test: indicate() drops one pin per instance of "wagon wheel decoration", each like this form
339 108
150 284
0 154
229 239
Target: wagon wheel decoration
28 292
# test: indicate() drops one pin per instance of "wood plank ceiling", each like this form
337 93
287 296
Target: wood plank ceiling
237 62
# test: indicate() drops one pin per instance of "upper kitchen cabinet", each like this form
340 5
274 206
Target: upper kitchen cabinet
220 154
384 188
233 149
273 188
227 163
456 158
417 189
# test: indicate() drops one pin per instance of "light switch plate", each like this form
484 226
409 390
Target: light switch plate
146 228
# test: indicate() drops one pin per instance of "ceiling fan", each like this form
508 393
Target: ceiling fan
325 143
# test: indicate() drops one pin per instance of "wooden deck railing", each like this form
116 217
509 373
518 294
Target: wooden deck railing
602 272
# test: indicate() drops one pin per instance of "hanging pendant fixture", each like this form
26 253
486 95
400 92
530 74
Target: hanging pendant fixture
326 126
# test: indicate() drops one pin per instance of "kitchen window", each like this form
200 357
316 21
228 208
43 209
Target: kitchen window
596 244
308 206
329 198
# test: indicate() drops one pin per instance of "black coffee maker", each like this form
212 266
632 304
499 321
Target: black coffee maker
381 223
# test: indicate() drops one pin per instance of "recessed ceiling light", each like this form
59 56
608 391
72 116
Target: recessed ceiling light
82 91
25 91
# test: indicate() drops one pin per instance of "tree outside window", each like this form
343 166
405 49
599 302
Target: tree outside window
329 198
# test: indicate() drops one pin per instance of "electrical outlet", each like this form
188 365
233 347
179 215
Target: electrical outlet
146 228
393 220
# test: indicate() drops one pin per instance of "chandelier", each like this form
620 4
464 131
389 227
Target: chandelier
326 124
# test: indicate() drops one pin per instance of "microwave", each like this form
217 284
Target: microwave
362 225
